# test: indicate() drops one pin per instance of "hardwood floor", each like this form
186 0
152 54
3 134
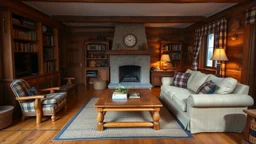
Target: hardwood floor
30 132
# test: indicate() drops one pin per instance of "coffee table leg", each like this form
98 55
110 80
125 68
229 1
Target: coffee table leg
100 119
156 118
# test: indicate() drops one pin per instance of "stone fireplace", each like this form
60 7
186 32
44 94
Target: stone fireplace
129 73
142 70
127 68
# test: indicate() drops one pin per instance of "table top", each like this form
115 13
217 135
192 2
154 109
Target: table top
251 112
147 99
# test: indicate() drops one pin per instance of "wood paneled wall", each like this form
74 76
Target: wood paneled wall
234 47
73 43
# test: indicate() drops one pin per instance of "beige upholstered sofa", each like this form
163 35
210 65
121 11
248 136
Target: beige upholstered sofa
218 112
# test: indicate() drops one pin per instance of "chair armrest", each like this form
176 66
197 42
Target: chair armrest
52 89
218 100
25 98
167 80
69 79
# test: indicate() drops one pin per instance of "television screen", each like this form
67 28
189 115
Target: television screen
26 64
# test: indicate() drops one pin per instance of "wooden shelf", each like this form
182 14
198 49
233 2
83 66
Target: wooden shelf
23 27
24 40
24 52
128 52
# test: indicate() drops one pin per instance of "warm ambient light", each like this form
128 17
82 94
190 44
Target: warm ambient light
165 58
219 55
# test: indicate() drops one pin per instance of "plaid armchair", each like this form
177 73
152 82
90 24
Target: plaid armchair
33 104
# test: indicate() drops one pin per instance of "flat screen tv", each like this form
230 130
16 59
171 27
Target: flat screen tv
26 64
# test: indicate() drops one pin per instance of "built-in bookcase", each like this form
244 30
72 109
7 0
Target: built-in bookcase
50 49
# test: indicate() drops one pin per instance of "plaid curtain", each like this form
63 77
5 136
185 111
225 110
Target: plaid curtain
251 15
219 28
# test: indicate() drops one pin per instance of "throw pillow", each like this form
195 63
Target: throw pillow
207 87
196 80
33 91
181 79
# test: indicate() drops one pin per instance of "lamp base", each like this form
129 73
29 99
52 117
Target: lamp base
218 69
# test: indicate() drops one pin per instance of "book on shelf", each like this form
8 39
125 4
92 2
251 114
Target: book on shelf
18 34
47 40
48 53
134 95
96 47
24 47
49 66
119 95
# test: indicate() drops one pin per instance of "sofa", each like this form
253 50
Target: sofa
221 111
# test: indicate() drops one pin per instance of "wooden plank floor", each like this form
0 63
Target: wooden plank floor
30 132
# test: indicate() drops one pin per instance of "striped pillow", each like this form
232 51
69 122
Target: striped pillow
207 87
181 79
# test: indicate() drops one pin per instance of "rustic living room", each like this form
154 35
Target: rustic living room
128 71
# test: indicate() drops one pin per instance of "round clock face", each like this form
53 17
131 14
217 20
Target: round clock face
130 40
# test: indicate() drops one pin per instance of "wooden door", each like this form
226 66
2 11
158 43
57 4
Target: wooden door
75 59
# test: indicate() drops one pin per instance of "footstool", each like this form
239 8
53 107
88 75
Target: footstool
5 116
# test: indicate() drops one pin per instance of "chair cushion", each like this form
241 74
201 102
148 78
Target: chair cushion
30 107
196 80
207 87
20 87
33 91
181 79
224 85
54 98
179 96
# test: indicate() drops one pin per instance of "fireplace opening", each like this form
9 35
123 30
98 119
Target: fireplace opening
129 73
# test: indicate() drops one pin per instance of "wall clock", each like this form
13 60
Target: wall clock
130 40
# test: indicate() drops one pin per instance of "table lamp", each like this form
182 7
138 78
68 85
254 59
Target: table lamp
219 55
165 58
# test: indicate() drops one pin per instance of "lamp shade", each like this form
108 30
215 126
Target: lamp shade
219 54
165 58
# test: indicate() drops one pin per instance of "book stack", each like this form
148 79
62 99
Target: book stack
134 95
119 96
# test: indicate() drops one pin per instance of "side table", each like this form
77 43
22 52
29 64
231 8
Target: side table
156 76
250 128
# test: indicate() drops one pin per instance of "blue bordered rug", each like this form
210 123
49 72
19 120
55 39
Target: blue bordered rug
83 126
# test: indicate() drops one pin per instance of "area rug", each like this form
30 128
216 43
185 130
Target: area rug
83 125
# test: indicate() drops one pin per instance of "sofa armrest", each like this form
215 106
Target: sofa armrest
167 80
218 100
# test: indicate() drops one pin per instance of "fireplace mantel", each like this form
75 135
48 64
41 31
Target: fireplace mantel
128 52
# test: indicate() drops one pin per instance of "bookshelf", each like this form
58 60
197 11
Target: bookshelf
96 61
174 49
50 49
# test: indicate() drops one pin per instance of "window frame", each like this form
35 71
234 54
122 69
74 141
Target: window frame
206 52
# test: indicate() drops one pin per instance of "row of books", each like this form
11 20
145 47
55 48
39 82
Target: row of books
49 66
175 56
25 22
24 47
96 47
47 40
24 35
48 53
173 47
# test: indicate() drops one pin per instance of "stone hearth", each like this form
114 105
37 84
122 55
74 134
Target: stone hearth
136 60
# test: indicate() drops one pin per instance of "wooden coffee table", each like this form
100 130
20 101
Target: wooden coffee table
146 102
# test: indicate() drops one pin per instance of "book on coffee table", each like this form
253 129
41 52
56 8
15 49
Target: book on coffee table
134 95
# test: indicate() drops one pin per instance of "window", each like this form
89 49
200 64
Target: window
209 51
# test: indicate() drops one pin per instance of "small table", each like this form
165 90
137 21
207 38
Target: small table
146 102
251 120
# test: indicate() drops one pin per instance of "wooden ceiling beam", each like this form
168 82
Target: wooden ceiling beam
129 19
142 1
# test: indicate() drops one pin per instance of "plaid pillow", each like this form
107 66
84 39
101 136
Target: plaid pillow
207 87
181 79
33 91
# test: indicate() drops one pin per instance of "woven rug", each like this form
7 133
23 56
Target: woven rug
83 125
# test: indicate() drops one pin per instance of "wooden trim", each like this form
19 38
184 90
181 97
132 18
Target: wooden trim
129 19
24 98
142 1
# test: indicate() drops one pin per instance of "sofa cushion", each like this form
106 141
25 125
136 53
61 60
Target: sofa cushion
224 85
196 80
165 90
207 87
54 98
179 96
181 79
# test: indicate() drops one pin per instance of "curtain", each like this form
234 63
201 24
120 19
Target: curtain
219 28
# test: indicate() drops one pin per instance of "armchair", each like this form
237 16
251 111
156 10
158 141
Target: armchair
37 104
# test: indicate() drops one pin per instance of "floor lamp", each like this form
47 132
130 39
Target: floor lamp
219 55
